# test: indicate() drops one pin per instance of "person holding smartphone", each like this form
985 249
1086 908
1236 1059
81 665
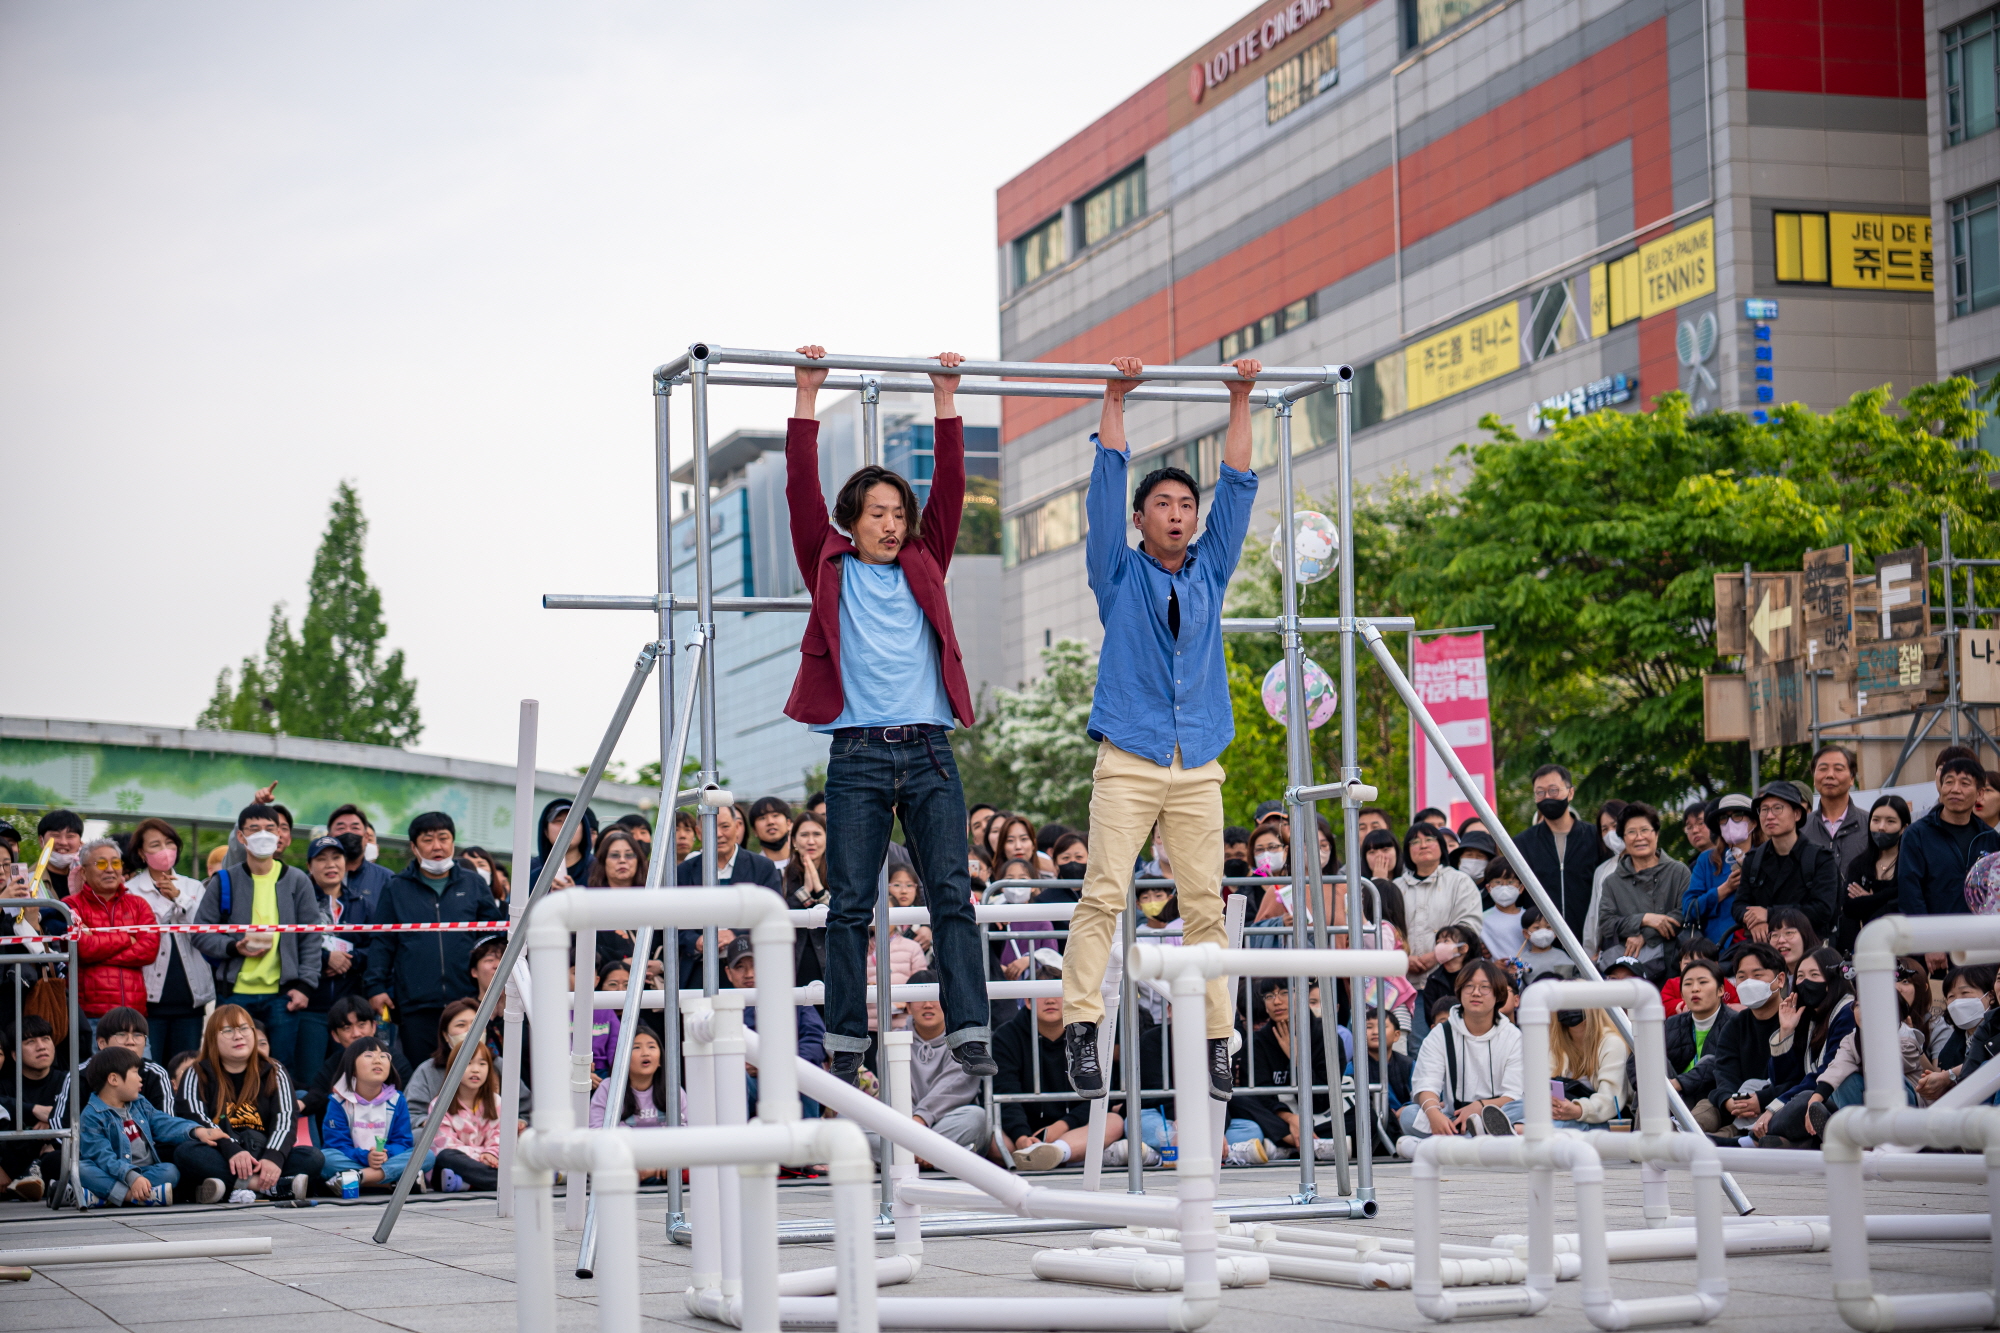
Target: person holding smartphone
1745 1077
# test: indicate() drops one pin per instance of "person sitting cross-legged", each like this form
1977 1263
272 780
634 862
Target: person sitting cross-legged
1468 1071
119 1157
1042 1135
943 1097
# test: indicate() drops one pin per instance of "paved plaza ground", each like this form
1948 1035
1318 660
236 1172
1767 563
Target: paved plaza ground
449 1268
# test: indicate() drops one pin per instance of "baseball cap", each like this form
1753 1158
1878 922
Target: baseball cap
737 949
329 843
1265 809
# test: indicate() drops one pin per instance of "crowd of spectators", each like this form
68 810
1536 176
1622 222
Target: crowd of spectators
282 1065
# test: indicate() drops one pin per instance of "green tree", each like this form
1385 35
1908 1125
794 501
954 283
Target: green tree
330 680
1593 550
1038 736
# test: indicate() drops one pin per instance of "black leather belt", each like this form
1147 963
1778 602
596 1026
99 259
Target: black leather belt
891 735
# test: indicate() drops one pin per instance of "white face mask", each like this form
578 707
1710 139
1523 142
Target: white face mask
1474 866
261 845
1966 1011
1268 862
1541 939
63 860
1736 832
1750 994
1504 896
485 875
431 867
1614 842
369 851
1016 893
1446 950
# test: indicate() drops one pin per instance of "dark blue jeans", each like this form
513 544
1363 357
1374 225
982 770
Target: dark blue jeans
869 784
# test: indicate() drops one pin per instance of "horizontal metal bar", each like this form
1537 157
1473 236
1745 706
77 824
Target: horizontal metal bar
671 369
1316 624
762 379
646 601
912 365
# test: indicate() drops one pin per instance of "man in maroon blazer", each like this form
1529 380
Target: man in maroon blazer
880 669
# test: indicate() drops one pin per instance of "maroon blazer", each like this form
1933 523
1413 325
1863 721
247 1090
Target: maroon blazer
816 695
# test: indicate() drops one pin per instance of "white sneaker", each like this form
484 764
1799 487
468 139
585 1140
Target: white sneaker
1323 1150
1040 1157
1115 1154
242 1196
212 1191
1250 1152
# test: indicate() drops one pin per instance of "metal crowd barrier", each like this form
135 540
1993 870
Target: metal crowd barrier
71 961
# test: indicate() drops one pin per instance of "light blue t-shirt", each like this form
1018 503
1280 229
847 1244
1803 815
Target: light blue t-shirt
889 673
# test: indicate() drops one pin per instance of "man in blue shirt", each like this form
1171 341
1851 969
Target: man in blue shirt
1161 714
880 669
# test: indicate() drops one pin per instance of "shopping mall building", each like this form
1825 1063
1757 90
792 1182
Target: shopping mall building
1504 208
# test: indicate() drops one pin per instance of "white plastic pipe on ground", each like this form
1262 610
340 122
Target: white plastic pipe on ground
218 1247
1133 1268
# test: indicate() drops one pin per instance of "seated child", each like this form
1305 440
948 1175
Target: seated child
467 1145
367 1126
119 1157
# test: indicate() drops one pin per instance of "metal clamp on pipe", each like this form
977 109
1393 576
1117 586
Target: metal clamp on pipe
1347 793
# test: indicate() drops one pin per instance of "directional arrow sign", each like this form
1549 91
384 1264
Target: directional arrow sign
1767 621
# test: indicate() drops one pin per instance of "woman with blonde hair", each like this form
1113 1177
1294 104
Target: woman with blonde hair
1587 1056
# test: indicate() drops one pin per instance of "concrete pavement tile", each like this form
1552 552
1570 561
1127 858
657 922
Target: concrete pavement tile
437 1285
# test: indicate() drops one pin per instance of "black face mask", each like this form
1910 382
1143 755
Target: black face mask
1070 870
978 887
1811 994
1235 869
1570 1018
1552 808
1884 841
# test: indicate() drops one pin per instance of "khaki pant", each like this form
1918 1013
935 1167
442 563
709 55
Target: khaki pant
1713 1119
1128 796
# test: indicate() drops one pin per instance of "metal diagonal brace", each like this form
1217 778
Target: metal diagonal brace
641 669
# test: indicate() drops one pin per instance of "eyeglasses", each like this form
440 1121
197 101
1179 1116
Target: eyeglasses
114 863
244 1029
1477 988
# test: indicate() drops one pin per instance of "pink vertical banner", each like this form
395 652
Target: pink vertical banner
1450 675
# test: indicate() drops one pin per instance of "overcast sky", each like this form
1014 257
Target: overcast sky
252 249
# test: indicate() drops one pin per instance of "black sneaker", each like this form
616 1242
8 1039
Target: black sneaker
1221 1077
847 1067
1086 1075
976 1059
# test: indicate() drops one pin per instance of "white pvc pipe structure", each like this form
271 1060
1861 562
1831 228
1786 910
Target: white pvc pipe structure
1885 1118
220 1247
615 1155
1540 1152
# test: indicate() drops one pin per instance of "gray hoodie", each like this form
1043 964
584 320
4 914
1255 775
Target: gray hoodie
938 1083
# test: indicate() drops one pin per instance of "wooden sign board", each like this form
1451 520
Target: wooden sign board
1779 711
1725 707
1979 665
1827 602
1904 667
1770 629
1903 594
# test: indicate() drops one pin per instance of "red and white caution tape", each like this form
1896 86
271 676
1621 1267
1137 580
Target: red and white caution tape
389 928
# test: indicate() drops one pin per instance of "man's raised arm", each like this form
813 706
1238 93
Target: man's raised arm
1236 443
945 508
809 379
1111 420
802 493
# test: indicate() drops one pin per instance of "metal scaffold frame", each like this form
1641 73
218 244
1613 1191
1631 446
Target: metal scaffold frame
704 365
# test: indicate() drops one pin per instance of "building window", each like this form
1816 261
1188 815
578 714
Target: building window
1048 526
1302 78
1114 205
1552 321
1971 51
1040 251
1240 341
1975 251
1987 437
1425 19
1801 246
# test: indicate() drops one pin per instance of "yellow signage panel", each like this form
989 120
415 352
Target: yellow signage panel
1600 301
1468 354
1678 267
1881 251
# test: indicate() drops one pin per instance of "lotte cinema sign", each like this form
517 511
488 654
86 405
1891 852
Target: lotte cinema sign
1449 673
1244 51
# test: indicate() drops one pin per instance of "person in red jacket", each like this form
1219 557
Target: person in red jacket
114 960
880 669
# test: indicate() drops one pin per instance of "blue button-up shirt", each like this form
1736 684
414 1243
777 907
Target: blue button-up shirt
1156 692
